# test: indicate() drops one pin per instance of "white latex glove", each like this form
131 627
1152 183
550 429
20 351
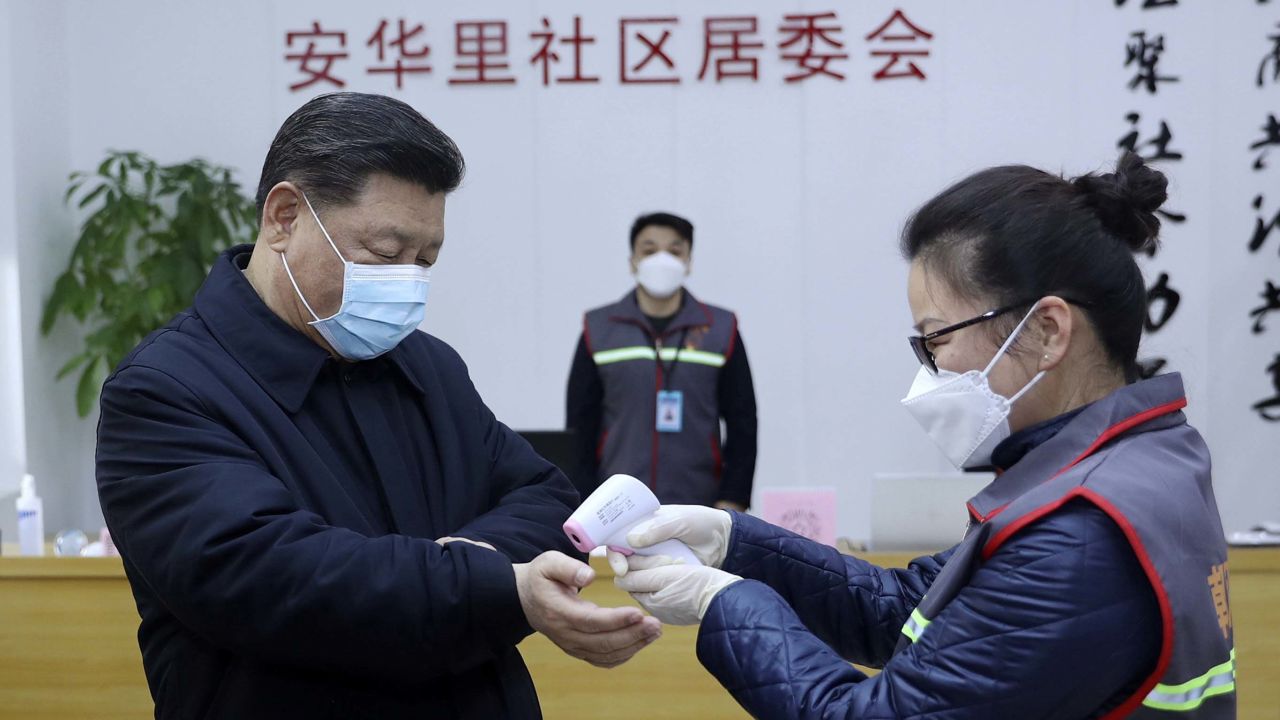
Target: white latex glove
675 593
705 530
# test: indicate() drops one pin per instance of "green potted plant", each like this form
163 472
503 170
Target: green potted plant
151 235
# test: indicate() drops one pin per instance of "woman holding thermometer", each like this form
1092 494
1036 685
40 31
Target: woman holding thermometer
1092 581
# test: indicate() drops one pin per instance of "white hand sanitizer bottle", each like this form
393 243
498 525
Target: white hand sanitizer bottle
30 519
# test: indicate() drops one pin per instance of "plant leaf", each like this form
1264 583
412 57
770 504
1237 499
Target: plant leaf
90 385
92 195
150 235
65 290
72 364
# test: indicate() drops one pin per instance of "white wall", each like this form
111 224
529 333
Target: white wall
798 193
12 438
59 449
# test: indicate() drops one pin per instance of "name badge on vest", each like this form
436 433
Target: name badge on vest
670 411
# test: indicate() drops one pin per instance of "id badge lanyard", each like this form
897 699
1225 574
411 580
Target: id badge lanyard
670 403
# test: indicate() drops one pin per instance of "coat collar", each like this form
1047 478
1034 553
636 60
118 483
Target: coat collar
1153 404
283 361
692 314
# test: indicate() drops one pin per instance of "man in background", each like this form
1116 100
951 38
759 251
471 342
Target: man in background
653 376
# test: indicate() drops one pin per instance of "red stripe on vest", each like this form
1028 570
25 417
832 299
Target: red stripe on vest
1124 426
1166 608
600 446
1148 567
1162 597
653 466
1107 436
733 340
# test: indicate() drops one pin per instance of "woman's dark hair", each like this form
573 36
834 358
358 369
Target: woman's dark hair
1015 234
332 144
682 227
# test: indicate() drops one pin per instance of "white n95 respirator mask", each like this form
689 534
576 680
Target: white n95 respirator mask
961 413
661 274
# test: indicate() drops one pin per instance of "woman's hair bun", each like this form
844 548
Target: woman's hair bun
1126 200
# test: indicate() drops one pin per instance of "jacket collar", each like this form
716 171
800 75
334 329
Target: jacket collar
283 361
1016 446
1153 404
692 314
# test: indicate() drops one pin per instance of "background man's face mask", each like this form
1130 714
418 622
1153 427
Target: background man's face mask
960 411
661 274
381 304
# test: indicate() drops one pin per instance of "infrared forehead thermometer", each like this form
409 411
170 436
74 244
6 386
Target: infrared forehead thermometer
618 505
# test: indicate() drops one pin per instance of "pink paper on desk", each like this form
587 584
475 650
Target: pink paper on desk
810 512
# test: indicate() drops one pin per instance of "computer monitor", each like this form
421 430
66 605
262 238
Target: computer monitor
921 511
558 448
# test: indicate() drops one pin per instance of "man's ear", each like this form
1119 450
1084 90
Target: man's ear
280 214
1056 323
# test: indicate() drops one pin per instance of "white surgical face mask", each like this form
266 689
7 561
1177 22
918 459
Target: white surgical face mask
381 304
661 274
960 411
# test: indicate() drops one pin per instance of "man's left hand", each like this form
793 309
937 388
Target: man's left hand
604 637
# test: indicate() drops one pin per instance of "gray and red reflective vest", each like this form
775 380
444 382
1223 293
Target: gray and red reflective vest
634 364
1133 456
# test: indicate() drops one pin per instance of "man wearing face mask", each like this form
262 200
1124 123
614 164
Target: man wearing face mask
318 515
653 376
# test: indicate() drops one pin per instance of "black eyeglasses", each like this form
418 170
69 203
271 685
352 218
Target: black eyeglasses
920 343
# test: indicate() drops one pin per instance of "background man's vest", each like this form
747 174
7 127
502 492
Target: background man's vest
634 364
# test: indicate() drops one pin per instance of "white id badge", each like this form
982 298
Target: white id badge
670 411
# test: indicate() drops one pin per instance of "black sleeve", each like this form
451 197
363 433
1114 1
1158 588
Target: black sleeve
855 607
737 397
530 498
224 546
1059 623
584 407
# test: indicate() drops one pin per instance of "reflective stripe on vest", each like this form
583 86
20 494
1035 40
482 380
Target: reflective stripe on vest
644 352
1220 680
1187 696
915 625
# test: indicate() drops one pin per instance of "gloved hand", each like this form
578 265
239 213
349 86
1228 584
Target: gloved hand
705 530
673 592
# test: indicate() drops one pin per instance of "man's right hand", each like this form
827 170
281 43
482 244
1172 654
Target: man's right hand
604 637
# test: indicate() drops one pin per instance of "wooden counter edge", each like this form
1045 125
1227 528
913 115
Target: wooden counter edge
1242 559
13 568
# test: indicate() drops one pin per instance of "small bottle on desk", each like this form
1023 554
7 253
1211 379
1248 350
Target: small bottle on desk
30 519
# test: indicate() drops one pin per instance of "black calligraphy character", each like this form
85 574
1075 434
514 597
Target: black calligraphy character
1261 229
1272 58
1146 55
1264 406
1270 302
1160 142
1271 137
1148 369
1168 299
